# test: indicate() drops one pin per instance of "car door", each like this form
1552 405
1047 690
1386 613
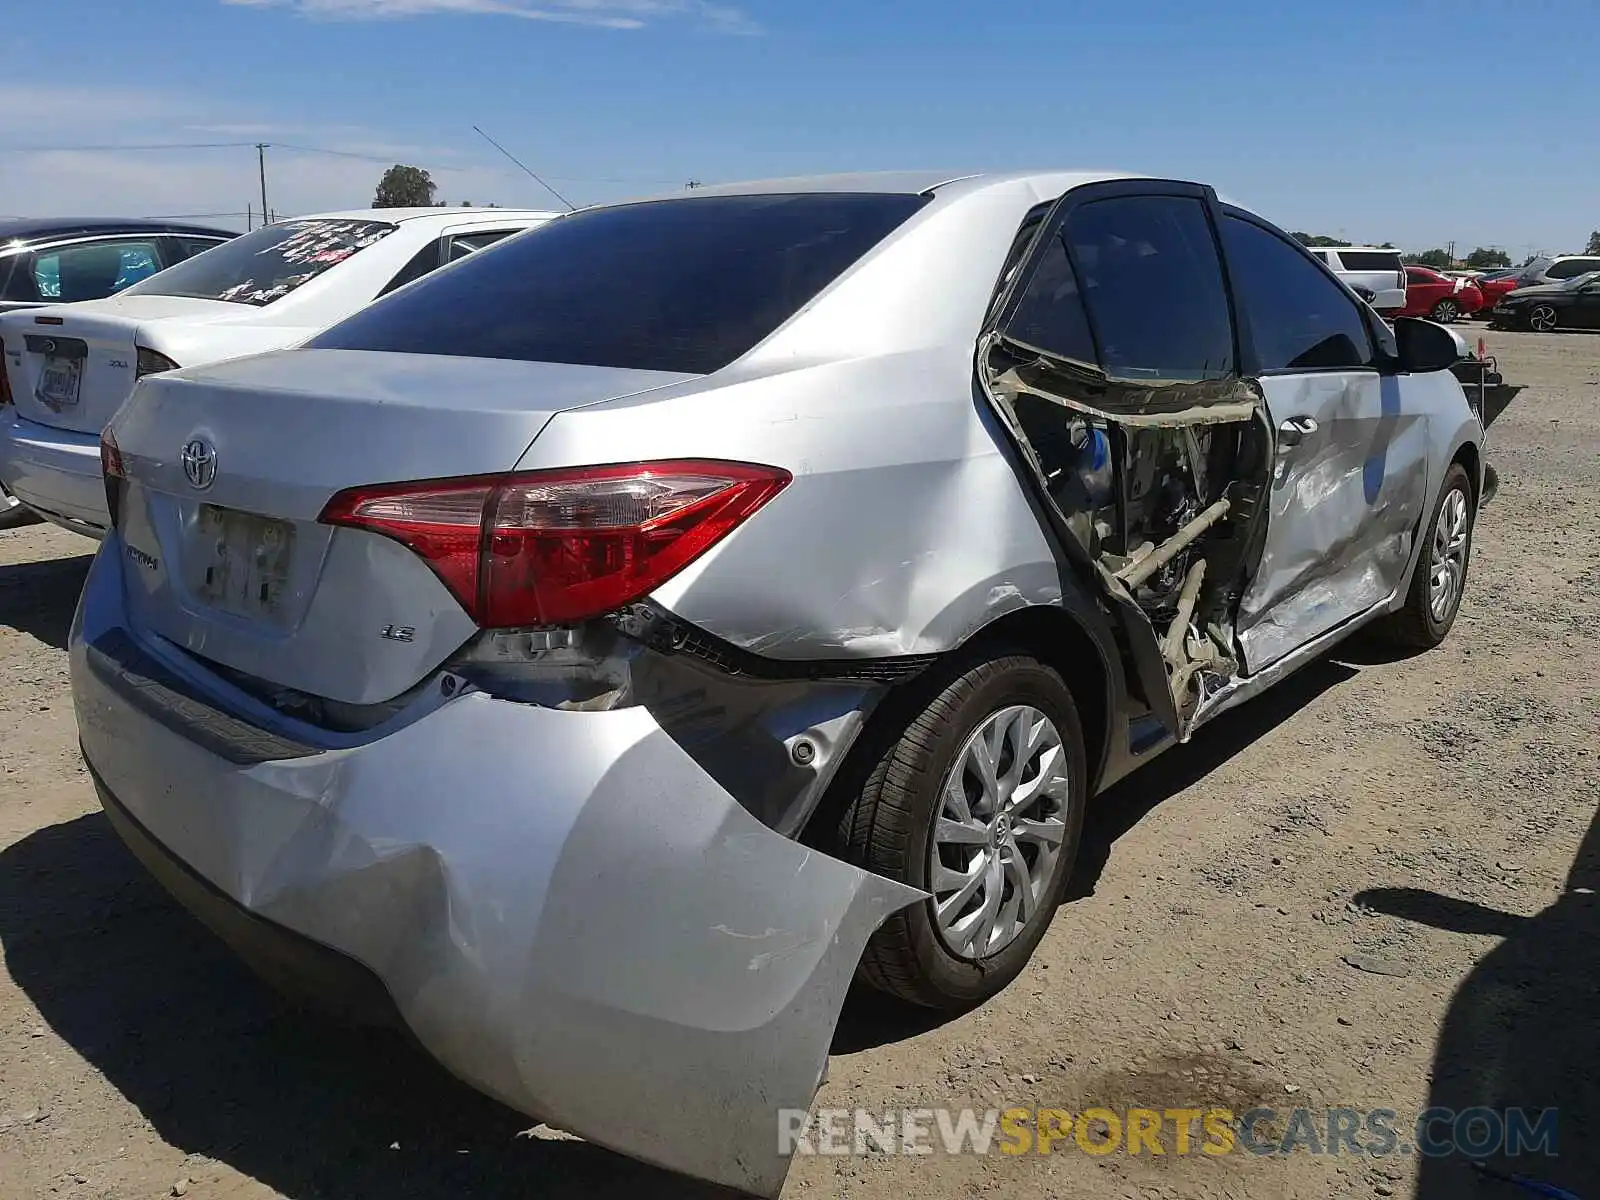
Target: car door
1584 311
1349 471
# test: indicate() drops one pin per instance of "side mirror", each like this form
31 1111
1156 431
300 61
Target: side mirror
1425 346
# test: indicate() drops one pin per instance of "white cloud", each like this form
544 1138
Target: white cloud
605 14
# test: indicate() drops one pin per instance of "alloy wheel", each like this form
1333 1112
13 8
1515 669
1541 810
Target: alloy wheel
1448 565
998 833
1543 318
1446 311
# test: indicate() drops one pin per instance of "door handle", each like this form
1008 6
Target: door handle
1295 430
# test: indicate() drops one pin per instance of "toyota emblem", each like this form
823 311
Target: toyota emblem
199 463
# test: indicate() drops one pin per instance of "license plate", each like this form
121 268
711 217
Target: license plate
59 381
245 561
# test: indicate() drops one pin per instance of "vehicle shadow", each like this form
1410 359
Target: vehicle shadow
1521 1032
1121 807
222 1068
39 598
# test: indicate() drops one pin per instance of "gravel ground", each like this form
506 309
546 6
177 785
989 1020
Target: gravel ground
1427 819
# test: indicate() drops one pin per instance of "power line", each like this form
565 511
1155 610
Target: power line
136 146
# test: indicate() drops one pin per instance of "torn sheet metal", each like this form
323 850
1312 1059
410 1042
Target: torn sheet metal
1344 507
594 932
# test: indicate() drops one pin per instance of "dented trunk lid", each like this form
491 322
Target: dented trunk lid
229 467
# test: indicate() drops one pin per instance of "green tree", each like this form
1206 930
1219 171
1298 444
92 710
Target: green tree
1594 243
1439 260
405 187
1317 239
1483 259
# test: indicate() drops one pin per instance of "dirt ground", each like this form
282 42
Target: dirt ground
1428 818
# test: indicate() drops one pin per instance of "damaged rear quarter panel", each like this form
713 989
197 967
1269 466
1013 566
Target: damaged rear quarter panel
903 531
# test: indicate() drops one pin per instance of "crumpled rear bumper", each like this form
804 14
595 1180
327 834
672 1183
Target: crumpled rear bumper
565 910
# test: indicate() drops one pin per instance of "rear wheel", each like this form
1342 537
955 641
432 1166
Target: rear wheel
979 801
1446 312
1441 576
1542 318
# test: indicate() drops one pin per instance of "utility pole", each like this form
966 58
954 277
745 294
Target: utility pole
261 161
249 218
693 183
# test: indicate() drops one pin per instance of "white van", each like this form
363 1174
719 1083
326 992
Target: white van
1372 268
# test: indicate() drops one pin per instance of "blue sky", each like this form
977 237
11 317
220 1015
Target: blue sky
1413 121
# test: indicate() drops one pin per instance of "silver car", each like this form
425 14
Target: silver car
598 654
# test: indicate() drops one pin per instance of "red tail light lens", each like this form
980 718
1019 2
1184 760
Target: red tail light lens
556 547
110 456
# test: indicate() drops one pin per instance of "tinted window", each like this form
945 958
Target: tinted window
16 281
268 264
1298 317
1049 314
1370 260
423 261
1572 267
1150 277
93 270
1418 275
188 247
675 285
464 244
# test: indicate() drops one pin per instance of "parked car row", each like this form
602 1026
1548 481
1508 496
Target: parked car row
70 368
595 654
58 261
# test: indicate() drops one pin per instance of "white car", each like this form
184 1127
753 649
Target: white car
1375 269
70 367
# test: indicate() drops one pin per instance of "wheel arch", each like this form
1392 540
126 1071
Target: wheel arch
1055 634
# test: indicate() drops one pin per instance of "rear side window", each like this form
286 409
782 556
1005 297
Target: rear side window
1370 260
423 261
1418 275
268 264
464 244
673 285
1571 268
1049 315
1152 283
1299 318
188 247
93 270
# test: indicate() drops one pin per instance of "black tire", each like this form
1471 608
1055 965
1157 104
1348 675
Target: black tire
1415 626
1554 318
1446 312
889 825
14 515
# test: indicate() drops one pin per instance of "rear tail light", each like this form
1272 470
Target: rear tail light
152 362
113 476
558 547
110 456
5 380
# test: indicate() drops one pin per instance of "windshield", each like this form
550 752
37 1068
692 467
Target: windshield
268 264
671 285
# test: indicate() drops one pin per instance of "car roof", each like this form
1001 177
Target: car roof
945 184
397 215
33 229
1363 249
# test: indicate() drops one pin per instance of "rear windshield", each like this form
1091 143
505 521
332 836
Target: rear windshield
1370 260
266 265
673 285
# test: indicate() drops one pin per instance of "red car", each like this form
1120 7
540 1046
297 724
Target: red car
1439 297
1496 284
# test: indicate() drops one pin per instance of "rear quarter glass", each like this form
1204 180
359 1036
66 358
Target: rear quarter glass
672 285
